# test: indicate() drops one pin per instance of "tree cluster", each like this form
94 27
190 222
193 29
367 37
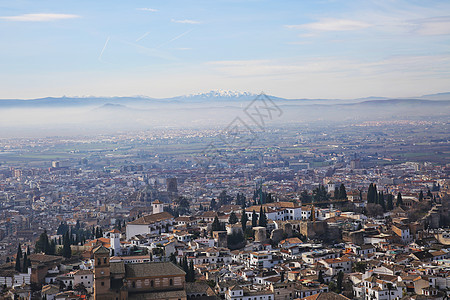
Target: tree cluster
188 267
22 260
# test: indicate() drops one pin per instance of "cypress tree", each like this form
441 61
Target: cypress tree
17 267
244 220
19 251
340 278
370 198
25 263
216 226
18 257
262 218
191 272
342 192
420 196
232 219
336 192
67 252
399 199
254 219
381 200
390 202
320 277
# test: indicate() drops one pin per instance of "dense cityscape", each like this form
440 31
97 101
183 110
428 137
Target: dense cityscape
343 210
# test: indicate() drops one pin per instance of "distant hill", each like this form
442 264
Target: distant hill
213 97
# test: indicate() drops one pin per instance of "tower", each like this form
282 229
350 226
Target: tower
172 185
102 275
330 187
158 207
114 237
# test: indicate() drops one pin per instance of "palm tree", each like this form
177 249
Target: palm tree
389 287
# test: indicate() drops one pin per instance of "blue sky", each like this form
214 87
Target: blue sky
294 49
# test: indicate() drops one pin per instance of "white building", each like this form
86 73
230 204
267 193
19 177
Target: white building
150 224
238 293
85 277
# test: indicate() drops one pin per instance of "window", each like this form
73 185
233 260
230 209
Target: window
103 283
171 281
133 284
104 260
152 283
99 261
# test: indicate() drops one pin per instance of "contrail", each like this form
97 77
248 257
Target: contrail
175 38
140 38
104 47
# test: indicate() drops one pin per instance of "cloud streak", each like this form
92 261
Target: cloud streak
39 17
332 25
103 50
433 26
186 21
148 9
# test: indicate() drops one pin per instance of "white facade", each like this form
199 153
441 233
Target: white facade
238 294
151 228
85 277
16 279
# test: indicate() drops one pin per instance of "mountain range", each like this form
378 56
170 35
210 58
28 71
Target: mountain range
212 97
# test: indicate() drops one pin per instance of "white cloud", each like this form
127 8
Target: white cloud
39 17
434 26
186 21
332 25
148 9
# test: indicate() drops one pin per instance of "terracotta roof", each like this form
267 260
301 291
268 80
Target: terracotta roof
150 219
101 250
326 296
148 269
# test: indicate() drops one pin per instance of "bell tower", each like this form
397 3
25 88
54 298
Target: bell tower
158 207
101 274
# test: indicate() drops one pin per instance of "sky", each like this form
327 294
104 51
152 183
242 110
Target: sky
292 49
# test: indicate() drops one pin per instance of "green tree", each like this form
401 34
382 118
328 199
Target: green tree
67 252
389 287
336 193
262 218
320 277
360 266
420 196
18 257
191 272
232 219
42 245
305 197
25 263
244 220
372 194
254 219
390 202
216 225
342 192
381 201
320 194
339 281
399 199
212 205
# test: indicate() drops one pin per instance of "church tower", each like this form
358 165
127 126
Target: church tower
158 207
102 275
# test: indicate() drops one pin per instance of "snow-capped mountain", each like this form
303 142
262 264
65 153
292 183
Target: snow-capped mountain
220 94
